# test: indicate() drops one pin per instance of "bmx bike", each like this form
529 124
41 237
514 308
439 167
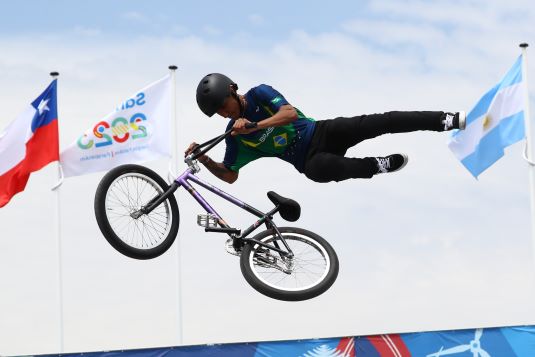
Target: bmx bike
137 213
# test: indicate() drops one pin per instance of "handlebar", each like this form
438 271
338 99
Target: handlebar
208 145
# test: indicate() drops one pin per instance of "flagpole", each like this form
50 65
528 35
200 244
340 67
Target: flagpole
529 153
55 75
174 161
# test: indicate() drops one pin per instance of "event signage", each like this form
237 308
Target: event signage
136 131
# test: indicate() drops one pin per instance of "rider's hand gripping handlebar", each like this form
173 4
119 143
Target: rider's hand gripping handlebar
191 159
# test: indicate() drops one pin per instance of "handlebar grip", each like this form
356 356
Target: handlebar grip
251 125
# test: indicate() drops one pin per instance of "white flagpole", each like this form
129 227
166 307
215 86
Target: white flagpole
173 171
530 148
58 246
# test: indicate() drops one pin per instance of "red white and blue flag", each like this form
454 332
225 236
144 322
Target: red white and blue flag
29 143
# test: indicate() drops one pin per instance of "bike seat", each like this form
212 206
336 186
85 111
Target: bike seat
288 208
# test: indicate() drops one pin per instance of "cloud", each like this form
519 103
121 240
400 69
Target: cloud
429 238
135 16
178 30
472 15
87 31
211 30
256 20
445 37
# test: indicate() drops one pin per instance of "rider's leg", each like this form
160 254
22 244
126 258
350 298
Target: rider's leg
326 167
342 133
326 162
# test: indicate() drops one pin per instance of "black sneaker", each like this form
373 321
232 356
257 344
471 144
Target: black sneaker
391 163
454 120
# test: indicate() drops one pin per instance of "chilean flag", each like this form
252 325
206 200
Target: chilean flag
29 143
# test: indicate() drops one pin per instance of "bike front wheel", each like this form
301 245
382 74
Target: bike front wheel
122 192
311 271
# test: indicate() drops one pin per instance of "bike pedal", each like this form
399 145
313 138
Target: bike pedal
207 220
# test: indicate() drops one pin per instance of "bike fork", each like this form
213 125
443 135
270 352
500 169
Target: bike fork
156 201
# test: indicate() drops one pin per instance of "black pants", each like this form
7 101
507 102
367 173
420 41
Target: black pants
325 159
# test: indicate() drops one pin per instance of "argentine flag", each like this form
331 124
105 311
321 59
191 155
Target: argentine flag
495 122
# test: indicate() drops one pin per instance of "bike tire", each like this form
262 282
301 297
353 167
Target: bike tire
320 247
148 247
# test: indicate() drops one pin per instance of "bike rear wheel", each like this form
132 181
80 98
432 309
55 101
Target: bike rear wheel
313 269
124 191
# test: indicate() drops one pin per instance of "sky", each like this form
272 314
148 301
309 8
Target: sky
427 248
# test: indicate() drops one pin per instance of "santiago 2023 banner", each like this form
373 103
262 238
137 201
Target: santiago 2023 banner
137 131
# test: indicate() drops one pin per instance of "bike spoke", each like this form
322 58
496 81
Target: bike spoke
310 264
128 194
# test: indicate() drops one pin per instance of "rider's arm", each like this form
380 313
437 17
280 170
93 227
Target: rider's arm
219 169
285 115
282 113
216 168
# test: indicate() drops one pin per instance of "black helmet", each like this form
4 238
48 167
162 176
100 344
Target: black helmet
212 91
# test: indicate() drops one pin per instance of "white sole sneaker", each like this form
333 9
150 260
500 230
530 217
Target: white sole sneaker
462 120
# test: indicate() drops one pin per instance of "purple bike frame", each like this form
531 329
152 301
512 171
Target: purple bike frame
188 175
183 179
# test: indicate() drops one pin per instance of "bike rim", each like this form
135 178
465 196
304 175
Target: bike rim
311 264
127 194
